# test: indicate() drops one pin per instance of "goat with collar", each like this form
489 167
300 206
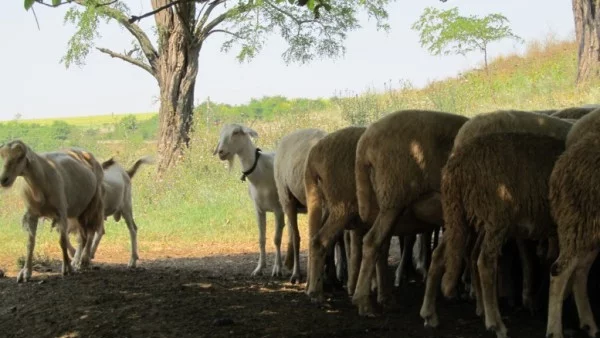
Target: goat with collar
257 167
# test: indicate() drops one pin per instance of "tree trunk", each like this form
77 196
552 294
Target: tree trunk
176 74
587 28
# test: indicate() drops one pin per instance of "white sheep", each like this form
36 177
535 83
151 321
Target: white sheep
291 154
257 167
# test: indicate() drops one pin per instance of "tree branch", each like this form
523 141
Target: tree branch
200 25
41 2
135 18
145 43
129 59
288 14
223 31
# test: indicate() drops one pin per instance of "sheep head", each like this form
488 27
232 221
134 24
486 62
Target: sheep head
14 155
232 140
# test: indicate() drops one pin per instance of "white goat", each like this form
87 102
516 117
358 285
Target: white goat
65 186
257 166
117 201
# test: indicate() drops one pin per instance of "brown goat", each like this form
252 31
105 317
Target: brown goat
574 199
65 186
398 162
499 183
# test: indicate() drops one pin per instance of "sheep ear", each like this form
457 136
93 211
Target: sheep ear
250 132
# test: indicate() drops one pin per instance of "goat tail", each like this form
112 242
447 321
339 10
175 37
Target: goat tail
364 186
134 168
106 164
456 229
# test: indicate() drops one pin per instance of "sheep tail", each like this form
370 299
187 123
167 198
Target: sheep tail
364 187
144 160
456 230
314 202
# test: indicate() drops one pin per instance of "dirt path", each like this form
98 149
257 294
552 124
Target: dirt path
215 297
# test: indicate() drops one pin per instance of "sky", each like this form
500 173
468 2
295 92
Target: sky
34 84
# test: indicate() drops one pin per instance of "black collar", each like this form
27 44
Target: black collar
249 171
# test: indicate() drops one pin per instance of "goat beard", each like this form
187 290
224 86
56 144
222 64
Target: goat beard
229 160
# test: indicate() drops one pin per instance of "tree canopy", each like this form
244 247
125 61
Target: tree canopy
445 32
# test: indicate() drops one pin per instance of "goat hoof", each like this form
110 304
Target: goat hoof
24 276
276 271
315 297
256 272
132 265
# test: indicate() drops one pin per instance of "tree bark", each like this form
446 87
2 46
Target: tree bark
587 28
176 75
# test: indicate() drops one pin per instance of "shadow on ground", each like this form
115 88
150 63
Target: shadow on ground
216 297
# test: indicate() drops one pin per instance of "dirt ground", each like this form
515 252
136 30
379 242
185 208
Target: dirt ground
215 297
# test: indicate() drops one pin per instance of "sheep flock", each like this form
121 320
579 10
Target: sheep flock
466 188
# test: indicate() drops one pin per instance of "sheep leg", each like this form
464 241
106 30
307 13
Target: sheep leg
432 285
293 223
383 288
356 237
405 258
319 245
30 223
424 257
560 273
341 261
261 220
132 227
487 265
582 301
279 225
372 242
527 268
475 281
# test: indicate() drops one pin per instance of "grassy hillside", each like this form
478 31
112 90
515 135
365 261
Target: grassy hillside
95 121
201 208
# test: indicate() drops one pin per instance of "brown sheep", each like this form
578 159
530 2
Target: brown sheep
289 165
509 121
574 113
512 121
65 186
574 199
499 183
398 162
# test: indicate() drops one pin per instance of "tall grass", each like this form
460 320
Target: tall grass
202 208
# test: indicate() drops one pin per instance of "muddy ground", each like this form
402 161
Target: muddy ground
216 297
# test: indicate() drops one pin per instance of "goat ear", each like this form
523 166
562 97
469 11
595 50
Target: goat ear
250 132
17 148
216 149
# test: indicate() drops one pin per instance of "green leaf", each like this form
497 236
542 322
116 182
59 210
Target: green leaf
28 4
56 2
311 4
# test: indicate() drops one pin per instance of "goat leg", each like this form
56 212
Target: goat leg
30 223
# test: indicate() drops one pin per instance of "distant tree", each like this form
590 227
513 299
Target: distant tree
445 32
129 123
60 130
